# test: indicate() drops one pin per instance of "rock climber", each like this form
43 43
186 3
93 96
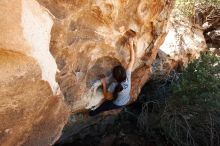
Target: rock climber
119 90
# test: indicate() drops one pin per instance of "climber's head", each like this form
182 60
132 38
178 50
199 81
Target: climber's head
119 73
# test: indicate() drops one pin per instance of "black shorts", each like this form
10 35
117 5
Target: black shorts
107 105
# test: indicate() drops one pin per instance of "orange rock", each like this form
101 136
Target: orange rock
89 39
30 113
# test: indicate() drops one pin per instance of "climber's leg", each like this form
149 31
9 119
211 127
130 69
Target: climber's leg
107 105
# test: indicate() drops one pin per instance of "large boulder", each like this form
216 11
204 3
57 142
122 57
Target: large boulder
183 43
65 45
89 38
30 111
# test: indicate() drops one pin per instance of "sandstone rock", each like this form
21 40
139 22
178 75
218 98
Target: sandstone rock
30 114
27 30
86 38
183 43
89 37
211 25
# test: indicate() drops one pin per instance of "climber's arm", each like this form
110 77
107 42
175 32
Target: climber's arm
132 55
106 94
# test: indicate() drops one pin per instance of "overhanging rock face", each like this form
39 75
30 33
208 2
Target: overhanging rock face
86 38
89 37
30 114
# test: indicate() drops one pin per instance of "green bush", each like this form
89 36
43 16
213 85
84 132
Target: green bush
192 115
187 7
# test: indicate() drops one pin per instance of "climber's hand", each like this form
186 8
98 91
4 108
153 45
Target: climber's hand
101 76
131 42
103 81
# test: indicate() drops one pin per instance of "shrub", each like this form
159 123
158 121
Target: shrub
192 115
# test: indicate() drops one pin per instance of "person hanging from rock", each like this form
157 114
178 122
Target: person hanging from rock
119 90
